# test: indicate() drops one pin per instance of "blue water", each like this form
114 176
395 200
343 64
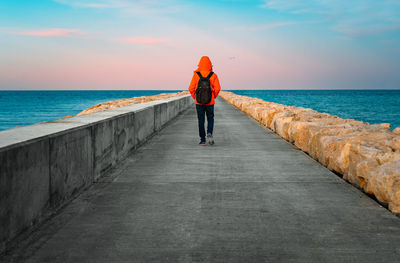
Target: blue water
373 106
20 108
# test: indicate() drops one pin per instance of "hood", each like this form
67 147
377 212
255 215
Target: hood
204 64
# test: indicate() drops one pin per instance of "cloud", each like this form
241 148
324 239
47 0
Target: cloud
367 31
51 32
143 40
262 27
91 4
282 5
350 18
128 6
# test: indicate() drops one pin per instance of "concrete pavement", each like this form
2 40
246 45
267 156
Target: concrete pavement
252 197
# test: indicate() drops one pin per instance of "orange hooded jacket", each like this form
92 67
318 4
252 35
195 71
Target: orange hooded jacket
205 67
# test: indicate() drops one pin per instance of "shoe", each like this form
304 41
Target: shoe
210 139
202 143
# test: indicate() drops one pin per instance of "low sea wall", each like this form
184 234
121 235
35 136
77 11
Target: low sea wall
367 156
42 166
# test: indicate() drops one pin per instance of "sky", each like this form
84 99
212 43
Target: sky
150 44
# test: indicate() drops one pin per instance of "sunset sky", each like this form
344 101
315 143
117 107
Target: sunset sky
150 44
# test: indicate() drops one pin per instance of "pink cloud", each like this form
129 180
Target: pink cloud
52 32
143 40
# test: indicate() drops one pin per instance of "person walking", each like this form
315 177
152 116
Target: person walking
204 89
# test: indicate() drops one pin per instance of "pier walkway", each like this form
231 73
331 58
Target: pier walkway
252 197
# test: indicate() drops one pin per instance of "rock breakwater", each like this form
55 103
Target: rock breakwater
367 156
125 102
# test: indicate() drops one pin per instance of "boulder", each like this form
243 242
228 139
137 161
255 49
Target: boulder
384 183
385 125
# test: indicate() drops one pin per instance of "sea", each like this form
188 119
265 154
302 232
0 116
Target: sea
372 106
21 108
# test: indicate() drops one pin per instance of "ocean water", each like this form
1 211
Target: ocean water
20 108
373 106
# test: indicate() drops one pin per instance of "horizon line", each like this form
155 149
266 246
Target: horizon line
182 89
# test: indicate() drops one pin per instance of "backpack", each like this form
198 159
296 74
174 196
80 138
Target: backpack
203 90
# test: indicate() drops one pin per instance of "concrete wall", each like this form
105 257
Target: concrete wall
44 165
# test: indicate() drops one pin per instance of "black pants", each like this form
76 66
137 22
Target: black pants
203 110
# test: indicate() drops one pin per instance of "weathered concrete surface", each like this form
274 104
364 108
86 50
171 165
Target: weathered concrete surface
252 197
43 166
144 123
71 164
23 196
